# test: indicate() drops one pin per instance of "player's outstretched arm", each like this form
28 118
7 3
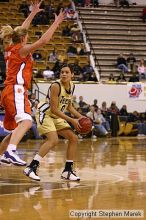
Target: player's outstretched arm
35 9
29 48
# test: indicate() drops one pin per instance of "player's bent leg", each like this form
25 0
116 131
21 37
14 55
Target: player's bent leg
16 137
20 131
4 144
68 173
32 168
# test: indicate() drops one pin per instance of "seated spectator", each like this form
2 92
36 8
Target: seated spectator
88 73
34 124
74 102
95 104
53 56
65 62
134 78
80 3
40 19
134 117
87 3
71 14
123 111
49 10
34 109
99 122
122 64
59 7
38 34
111 78
95 3
72 51
141 69
48 74
39 74
124 3
62 56
66 31
43 5
80 50
121 78
37 56
144 14
103 120
56 68
131 61
116 3
83 105
134 121
77 70
33 99
24 8
76 33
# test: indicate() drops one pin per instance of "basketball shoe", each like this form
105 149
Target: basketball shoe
31 170
69 175
4 160
13 157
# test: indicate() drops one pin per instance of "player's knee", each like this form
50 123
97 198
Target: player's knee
54 142
73 138
27 123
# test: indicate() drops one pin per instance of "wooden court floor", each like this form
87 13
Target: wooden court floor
113 177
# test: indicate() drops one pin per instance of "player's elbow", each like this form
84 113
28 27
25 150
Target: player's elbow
53 110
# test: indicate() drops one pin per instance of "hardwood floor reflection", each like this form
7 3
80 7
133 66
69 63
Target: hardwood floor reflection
112 171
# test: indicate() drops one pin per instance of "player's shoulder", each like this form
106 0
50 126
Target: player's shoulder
56 85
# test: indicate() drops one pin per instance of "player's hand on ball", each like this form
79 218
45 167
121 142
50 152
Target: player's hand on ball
76 124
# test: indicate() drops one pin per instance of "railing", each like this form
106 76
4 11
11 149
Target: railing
90 43
37 91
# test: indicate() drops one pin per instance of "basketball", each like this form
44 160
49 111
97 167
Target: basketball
86 125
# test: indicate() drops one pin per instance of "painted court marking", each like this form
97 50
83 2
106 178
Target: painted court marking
83 184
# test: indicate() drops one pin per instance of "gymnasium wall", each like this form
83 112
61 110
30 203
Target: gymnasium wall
131 94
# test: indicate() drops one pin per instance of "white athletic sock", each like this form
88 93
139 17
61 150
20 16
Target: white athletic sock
38 157
69 161
11 147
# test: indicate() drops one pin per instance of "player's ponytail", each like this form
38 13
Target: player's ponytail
6 31
18 33
14 34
